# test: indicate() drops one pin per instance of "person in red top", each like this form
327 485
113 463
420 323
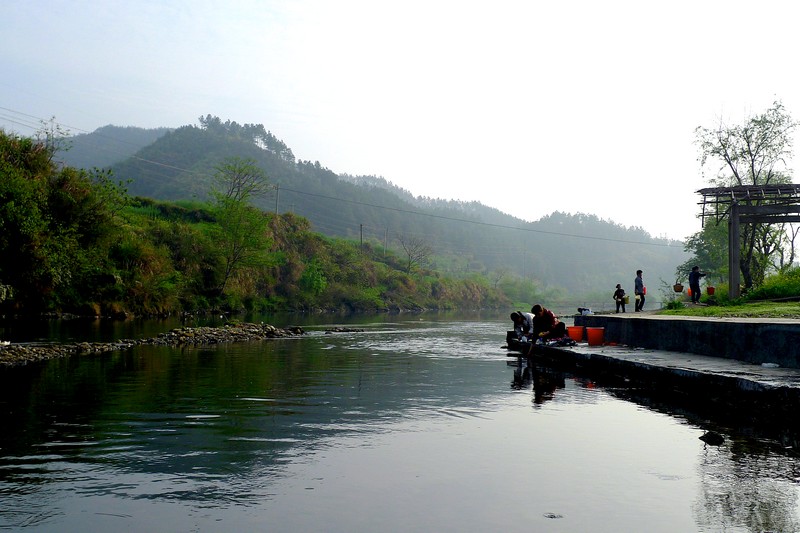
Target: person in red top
546 324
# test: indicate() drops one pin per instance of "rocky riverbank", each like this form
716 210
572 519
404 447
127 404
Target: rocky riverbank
21 354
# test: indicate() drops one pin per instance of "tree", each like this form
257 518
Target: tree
242 236
55 224
417 251
240 179
755 153
709 249
499 274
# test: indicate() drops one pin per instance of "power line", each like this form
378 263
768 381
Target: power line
479 223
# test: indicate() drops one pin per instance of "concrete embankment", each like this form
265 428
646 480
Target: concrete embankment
754 340
738 368
21 354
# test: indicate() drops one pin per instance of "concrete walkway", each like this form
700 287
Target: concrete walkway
752 340
738 389
751 376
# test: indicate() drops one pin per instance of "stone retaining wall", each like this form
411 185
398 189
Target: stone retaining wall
752 340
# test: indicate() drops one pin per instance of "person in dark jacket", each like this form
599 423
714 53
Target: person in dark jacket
619 297
546 324
694 283
639 291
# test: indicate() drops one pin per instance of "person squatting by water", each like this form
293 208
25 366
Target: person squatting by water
523 324
694 283
638 291
619 297
546 324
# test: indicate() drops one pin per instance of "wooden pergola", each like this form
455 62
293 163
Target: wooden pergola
748 204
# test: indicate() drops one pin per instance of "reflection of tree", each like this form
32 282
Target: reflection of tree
735 493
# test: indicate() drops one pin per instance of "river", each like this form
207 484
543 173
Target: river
418 423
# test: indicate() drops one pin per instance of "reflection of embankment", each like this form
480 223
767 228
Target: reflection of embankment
21 354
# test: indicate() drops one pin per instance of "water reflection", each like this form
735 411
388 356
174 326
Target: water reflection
544 381
409 425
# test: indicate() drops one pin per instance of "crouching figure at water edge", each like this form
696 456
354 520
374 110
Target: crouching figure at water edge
546 325
523 325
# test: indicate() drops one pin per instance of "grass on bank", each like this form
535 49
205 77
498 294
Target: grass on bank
761 309
777 297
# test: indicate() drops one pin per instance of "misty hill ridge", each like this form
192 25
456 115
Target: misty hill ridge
580 253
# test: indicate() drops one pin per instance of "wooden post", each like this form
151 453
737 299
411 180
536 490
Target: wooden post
734 251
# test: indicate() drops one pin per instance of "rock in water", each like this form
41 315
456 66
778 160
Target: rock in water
712 438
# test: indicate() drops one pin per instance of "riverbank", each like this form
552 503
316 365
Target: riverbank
21 354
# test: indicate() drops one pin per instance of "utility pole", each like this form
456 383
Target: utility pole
277 194
361 230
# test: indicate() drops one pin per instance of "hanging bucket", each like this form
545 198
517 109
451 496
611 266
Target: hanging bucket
626 299
710 291
575 333
677 287
595 336
689 292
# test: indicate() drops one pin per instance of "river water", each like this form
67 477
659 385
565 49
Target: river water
419 423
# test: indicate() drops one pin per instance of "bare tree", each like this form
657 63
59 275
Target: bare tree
417 251
240 180
499 274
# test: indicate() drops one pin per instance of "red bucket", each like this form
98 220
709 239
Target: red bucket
595 336
575 333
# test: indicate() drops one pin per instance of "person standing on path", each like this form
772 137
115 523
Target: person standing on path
638 291
619 297
694 283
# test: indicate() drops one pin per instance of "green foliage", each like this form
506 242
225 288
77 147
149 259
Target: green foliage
74 241
674 304
313 280
54 222
241 237
578 253
780 286
87 245
709 251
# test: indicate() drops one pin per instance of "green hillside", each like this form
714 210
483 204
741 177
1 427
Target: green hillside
578 256
107 145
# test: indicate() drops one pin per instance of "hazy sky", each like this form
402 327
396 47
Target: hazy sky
530 107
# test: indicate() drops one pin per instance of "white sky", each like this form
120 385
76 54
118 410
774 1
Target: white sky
527 106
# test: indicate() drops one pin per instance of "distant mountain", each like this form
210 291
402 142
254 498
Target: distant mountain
580 253
108 145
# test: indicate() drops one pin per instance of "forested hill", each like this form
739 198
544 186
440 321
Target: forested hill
581 253
107 145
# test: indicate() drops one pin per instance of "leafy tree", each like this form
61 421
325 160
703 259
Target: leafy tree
313 279
55 224
754 153
709 250
242 237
